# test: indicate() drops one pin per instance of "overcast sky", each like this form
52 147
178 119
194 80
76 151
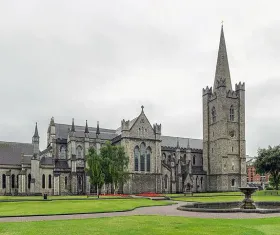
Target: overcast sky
101 60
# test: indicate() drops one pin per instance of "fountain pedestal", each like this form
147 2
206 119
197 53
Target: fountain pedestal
248 202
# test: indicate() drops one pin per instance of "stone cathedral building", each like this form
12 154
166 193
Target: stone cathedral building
157 163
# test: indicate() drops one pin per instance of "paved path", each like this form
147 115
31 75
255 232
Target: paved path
170 210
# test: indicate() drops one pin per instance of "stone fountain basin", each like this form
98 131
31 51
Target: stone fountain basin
231 207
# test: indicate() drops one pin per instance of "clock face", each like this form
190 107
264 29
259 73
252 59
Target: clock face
231 133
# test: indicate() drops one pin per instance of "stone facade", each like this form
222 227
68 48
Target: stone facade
224 157
157 163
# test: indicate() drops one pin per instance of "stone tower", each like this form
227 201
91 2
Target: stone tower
224 156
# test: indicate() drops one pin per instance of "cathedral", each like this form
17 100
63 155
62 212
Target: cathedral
157 163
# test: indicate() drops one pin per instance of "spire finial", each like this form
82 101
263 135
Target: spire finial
178 146
36 131
86 128
142 107
97 130
188 146
73 126
222 23
222 75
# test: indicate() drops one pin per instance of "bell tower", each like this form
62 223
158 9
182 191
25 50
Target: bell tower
224 154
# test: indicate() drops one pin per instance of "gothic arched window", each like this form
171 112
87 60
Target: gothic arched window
29 180
148 159
43 181
231 113
79 152
3 181
63 152
214 114
13 180
17 180
136 158
165 181
50 181
163 157
142 157
201 181
65 182
193 160
169 159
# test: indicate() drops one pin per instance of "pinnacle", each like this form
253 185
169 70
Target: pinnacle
222 75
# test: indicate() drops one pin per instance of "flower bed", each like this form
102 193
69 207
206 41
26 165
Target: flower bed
149 194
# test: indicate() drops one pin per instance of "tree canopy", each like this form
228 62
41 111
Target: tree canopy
109 166
268 161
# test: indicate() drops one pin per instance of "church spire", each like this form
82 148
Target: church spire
97 130
86 128
36 131
222 76
73 126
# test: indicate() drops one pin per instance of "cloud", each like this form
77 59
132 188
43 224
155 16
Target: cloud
101 60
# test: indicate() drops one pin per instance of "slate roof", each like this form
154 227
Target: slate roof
62 132
46 161
10 153
170 141
61 164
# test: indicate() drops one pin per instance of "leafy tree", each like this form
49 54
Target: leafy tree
268 161
115 164
95 170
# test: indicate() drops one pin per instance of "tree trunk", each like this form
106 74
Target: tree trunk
97 191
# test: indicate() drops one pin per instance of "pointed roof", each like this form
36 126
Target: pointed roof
73 126
86 128
222 75
97 129
178 146
36 131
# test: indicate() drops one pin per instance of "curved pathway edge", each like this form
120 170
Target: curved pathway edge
168 210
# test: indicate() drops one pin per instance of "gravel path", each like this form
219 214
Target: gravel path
170 210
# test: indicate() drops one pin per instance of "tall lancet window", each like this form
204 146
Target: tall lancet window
63 152
142 157
136 158
79 152
231 113
214 114
148 159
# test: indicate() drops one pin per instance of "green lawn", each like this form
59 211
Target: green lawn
73 206
137 225
53 197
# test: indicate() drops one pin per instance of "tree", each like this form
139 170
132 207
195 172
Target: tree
268 161
94 169
116 163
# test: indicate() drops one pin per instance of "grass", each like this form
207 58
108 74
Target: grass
53 197
138 225
73 206
226 196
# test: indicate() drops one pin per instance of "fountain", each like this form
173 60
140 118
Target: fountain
248 202
246 206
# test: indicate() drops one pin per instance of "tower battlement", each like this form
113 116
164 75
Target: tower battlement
207 91
240 86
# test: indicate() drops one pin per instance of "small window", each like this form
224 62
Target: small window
29 181
79 152
3 181
65 182
214 114
17 181
165 181
231 113
43 181
50 181
13 181
233 182
193 160
212 150
231 149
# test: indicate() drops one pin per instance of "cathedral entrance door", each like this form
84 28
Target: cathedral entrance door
80 184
